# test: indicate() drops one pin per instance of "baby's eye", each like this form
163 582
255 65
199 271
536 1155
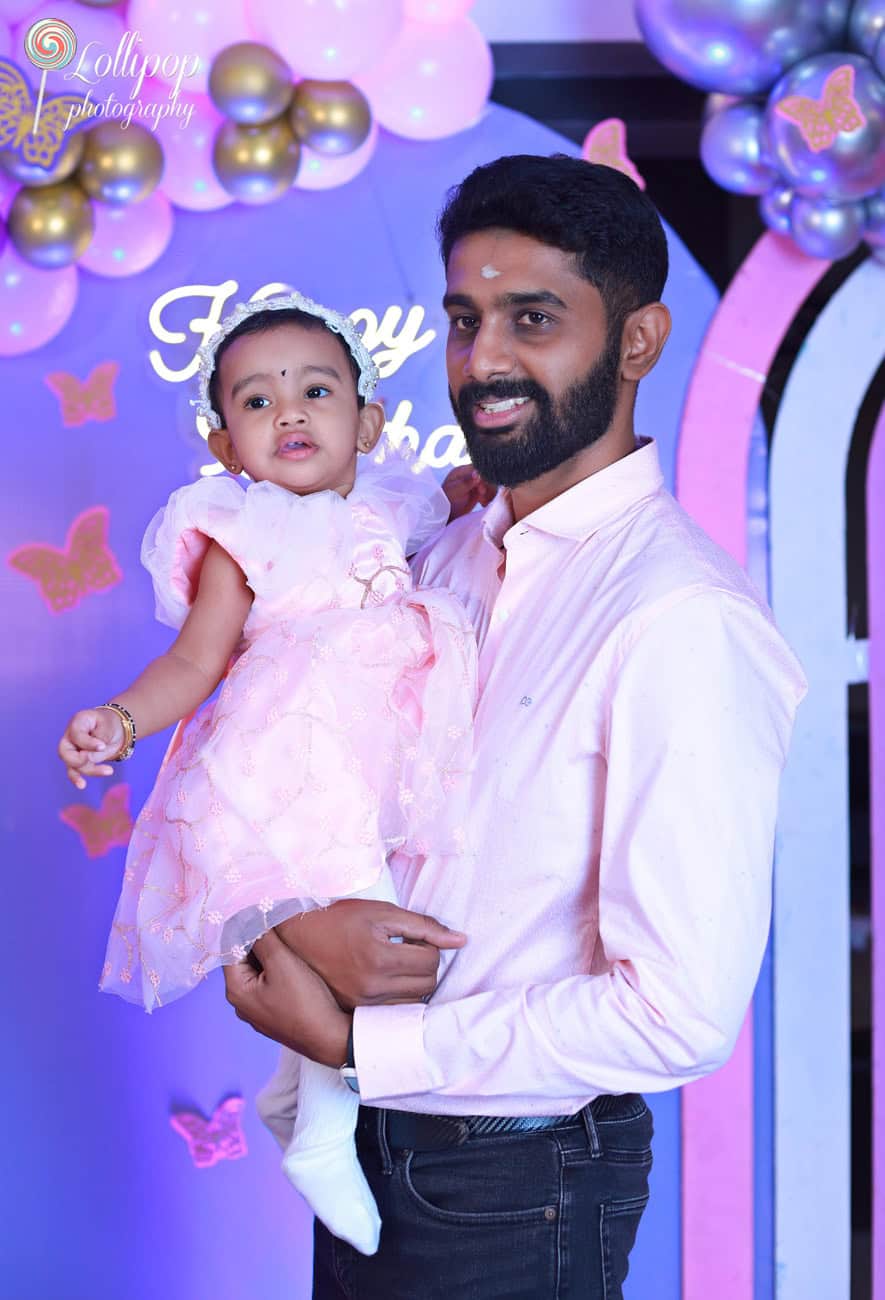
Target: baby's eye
318 390
255 403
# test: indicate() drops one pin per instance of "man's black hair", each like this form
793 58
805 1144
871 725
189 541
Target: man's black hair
593 211
259 323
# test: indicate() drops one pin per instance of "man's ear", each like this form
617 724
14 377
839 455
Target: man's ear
372 420
646 330
223 450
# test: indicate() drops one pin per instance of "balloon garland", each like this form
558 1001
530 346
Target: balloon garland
797 108
170 105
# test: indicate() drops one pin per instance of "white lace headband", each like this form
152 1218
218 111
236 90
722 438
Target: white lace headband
334 320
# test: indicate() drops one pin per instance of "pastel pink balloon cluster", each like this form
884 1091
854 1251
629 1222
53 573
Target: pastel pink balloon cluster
423 65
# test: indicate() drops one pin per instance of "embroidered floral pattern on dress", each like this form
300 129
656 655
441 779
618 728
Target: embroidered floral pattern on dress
343 730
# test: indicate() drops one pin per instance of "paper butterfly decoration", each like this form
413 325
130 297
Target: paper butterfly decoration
86 564
821 120
104 828
211 1140
607 143
93 399
17 118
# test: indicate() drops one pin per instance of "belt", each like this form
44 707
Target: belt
408 1131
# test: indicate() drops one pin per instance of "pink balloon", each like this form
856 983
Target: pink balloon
434 81
329 39
185 127
34 304
8 190
437 11
99 35
129 239
186 35
321 172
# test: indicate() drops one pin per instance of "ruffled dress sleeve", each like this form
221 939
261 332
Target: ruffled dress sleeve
293 550
405 492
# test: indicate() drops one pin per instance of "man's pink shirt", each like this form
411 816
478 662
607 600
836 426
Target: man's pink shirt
635 709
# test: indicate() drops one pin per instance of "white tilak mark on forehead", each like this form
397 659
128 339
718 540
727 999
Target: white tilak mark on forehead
488 272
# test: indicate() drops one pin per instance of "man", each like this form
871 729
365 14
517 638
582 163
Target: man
635 709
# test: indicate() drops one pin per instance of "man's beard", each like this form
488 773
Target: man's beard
554 434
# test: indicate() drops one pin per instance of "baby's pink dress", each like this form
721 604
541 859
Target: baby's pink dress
343 730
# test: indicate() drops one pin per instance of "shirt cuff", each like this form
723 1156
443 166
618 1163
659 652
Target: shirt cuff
388 1050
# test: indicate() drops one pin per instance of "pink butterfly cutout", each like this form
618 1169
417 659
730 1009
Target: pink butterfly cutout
821 120
93 399
104 828
606 143
86 564
211 1140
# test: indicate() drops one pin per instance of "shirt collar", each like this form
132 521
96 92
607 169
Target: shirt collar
586 507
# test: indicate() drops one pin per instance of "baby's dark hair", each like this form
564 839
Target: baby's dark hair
260 322
592 211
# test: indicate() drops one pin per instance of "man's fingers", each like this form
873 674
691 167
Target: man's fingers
237 979
267 948
415 928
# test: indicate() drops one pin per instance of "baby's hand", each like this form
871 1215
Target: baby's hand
91 736
465 489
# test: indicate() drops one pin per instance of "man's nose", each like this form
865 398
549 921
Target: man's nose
490 355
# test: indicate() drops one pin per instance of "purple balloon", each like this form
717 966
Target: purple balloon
830 230
733 150
34 304
866 25
774 208
739 47
825 123
874 226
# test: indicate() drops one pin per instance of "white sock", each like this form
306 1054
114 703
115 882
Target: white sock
321 1160
277 1102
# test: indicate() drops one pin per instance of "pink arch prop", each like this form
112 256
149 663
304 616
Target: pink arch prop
711 478
876 599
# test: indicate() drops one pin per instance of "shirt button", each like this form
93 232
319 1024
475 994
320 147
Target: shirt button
550 1213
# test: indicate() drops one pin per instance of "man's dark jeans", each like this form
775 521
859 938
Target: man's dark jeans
550 1215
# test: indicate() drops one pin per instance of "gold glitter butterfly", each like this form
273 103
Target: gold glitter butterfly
17 118
821 120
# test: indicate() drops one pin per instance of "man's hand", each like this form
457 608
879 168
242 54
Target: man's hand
287 1001
466 489
349 946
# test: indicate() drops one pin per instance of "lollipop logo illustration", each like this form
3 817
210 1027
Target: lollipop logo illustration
49 45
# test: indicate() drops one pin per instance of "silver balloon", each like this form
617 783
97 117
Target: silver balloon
866 25
774 208
830 230
739 47
849 161
733 150
874 228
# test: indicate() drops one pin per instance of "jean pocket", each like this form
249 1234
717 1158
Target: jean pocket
486 1182
618 1224
627 1141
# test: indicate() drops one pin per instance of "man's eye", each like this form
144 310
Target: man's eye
255 403
461 324
318 390
535 317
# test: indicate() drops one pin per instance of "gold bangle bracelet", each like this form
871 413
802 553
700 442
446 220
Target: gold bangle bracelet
129 732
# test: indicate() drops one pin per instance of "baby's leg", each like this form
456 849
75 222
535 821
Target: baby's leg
321 1159
277 1102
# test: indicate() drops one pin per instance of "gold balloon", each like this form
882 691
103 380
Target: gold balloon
121 164
51 227
256 164
66 163
250 83
332 117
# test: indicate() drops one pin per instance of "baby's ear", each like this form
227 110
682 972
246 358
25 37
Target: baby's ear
372 420
222 449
